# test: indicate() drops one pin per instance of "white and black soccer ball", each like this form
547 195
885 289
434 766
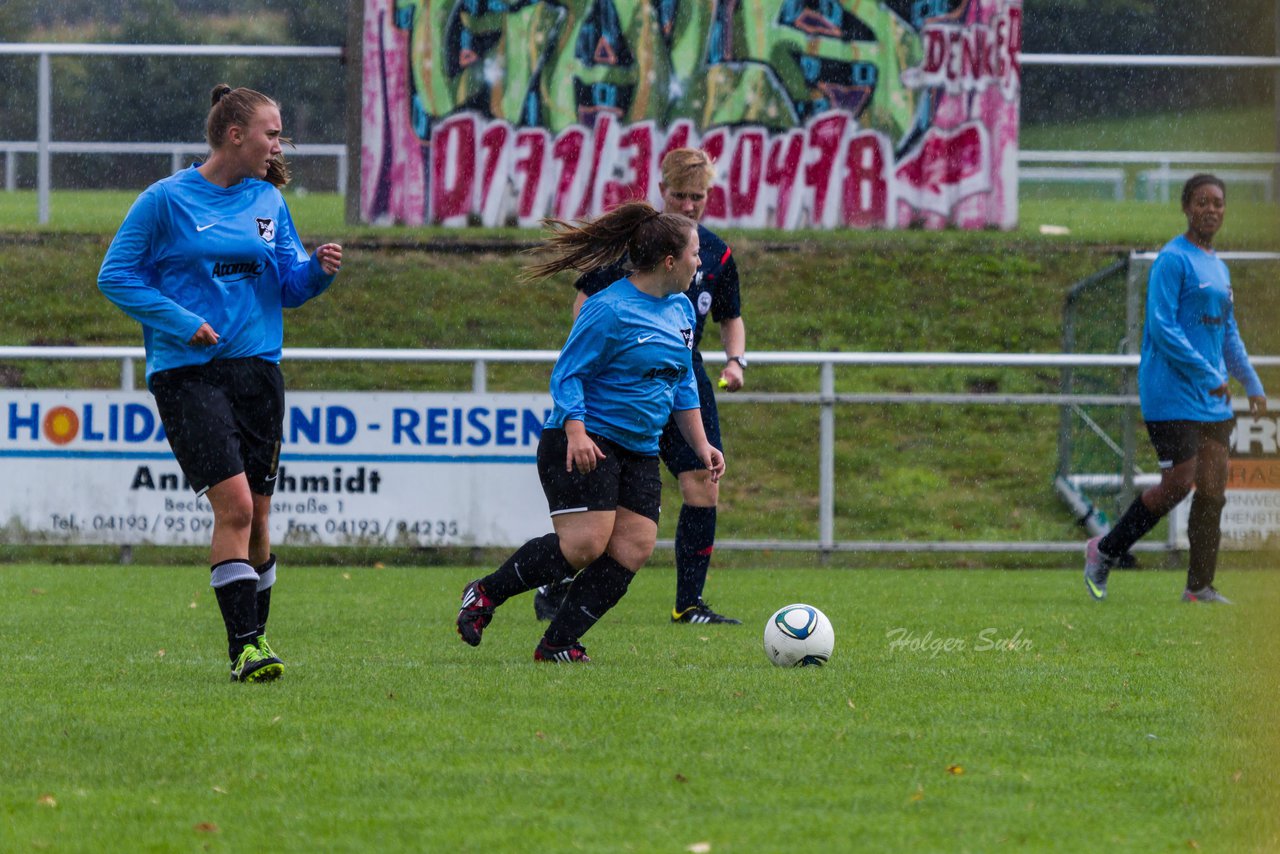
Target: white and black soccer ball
798 636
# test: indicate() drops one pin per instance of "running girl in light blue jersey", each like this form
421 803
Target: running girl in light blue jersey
1191 348
206 260
625 369
687 175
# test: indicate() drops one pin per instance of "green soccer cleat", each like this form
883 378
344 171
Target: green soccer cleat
266 650
1097 567
254 666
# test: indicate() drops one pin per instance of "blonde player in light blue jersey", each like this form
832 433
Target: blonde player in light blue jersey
206 260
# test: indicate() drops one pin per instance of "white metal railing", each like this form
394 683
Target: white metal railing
1121 60
44 85
179 154
827 399
1163 158
1165 161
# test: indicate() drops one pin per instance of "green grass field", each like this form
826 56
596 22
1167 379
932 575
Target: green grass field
1137 725
1230 129
961 711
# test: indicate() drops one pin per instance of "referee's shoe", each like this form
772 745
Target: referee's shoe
702 613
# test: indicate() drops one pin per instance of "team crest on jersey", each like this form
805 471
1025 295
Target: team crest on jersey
266 228
704 300
687 335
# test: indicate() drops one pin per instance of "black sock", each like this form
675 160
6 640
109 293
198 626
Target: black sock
596 589
1204 530
236 586
266 580
534 564
695 540
1133 525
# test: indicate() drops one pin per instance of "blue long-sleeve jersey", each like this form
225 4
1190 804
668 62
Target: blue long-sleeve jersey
190 252
1190 343
626 366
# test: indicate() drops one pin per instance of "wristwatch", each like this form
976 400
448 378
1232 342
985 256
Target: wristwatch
741 360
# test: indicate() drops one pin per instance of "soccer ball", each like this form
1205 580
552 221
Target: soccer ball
798 636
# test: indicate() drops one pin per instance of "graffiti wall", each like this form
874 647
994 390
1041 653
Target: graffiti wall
819 113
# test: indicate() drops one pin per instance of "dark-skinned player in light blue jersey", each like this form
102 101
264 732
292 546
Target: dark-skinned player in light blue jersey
624 372
1191 348
206 261
686 177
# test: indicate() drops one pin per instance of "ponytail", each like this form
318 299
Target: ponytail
634 229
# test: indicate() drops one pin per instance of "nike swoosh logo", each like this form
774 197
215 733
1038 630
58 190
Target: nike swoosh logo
644 338
206 227
1206 284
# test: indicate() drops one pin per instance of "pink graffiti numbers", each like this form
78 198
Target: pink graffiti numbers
527 170
953 164
946 167
824 141
453 170
746 171
866 190
780 172
635 148
570 171
717 209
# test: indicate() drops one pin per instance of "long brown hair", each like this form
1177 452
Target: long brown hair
635 229
236 107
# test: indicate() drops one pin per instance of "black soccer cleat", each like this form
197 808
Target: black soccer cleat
476 613
548 599
573 653
253 665
702 613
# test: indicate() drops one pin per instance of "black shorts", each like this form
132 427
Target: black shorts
223 418
1178 441
622 479
673 449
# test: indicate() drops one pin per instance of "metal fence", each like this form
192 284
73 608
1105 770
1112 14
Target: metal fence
826 399
44 89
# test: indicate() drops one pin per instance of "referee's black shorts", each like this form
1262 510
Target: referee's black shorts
622 479
223 418
678 454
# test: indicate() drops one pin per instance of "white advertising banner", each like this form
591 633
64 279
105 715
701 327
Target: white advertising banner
1251 517
356 468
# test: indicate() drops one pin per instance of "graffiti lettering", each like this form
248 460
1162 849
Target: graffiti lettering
818 113
969 59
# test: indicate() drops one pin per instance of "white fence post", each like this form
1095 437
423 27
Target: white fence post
43 135
827 460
